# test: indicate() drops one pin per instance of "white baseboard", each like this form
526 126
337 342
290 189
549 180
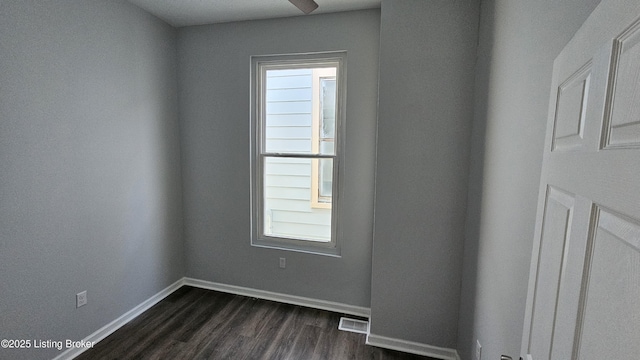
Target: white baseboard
283 298
121 321
412 347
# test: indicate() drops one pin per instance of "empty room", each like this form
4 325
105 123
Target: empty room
441 179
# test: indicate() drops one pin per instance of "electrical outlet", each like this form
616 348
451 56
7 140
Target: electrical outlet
478 350
283 263
81 299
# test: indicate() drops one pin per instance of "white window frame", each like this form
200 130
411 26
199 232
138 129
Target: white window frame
259 66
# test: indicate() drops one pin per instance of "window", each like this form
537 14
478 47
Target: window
296 151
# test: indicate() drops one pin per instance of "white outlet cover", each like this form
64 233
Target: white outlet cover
478 350
81 299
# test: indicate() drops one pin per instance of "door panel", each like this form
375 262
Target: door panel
556 229
568 300
571 110
611 306
622 124
584 287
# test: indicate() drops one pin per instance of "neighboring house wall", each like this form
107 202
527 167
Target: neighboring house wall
288 181
519 40
90 183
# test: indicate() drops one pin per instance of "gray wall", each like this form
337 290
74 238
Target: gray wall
427 55
214 69
90 183
518 43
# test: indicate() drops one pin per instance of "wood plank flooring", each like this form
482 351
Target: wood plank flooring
195 323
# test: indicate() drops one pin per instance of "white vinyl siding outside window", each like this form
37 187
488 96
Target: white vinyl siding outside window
296 126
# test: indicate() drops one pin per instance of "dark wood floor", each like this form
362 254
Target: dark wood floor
194 323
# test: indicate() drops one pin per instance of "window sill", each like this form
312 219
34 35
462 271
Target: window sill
294 246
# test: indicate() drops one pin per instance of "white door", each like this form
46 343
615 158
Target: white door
584 287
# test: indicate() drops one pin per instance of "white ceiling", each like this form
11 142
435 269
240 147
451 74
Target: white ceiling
198 12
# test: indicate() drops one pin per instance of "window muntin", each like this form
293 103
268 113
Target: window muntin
296 125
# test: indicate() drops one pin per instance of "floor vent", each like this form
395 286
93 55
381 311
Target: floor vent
353 325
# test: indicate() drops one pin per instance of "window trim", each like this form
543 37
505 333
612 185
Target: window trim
259 65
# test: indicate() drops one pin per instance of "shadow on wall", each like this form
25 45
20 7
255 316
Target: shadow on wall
467 317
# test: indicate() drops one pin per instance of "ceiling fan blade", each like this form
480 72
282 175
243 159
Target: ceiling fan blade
306 6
